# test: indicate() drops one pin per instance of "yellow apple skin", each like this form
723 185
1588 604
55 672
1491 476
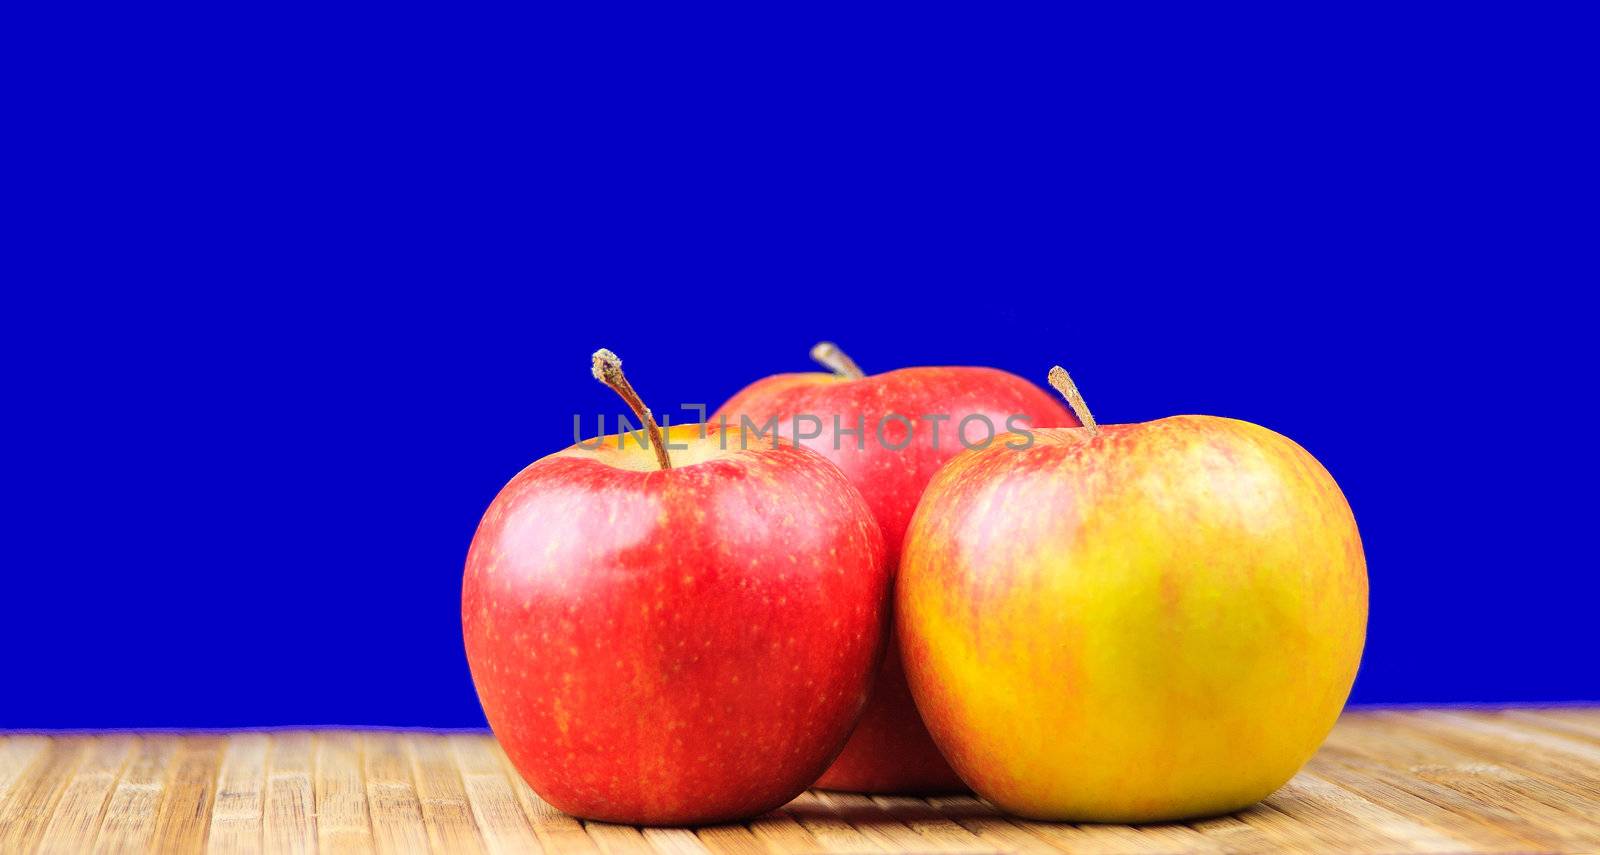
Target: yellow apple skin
1156 623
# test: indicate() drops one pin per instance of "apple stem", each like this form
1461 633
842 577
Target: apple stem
831 357
607 368
1061 381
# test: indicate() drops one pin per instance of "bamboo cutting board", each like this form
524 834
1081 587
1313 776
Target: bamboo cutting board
1514 780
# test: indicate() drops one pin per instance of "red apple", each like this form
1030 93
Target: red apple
921 409
674 637
1132 623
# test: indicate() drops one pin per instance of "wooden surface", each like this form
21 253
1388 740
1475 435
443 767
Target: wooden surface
1390 781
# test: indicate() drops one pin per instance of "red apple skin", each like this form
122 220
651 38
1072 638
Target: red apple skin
891 750
683 646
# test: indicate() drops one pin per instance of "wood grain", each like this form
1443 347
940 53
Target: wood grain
340 793
1429 781
32 798
78 814
130 818
241 795
392 795
183 820
290 824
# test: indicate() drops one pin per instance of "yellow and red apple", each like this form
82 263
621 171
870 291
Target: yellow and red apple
669 637
1132 623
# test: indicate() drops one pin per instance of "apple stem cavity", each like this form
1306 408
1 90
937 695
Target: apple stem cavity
1061 381
829 356
607 368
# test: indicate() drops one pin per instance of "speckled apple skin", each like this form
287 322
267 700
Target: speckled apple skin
1153 624
675 647
890 750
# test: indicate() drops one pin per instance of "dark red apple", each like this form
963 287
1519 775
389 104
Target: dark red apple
674 637
912 421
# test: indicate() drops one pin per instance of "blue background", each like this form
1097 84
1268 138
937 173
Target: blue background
289 299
